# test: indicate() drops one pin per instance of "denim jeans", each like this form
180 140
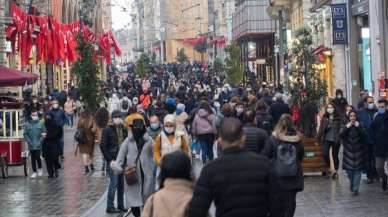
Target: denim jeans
207 142
70 120
354 179
380 167
116 183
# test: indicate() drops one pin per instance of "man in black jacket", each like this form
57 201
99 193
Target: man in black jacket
237 181
112 137
254 137
380 130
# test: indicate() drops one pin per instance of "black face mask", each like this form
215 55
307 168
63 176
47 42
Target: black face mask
138 133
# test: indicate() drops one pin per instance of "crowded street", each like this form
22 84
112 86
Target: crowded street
193 108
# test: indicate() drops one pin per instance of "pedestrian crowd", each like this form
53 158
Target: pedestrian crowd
151 130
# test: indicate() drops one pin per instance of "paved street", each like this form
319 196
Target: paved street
72 194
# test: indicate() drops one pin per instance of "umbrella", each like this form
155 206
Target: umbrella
13 77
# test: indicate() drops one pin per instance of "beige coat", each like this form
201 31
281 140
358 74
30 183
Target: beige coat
170 201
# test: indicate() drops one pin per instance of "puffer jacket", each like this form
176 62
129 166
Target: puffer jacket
33 135
354 147
204 123
270 149
255 138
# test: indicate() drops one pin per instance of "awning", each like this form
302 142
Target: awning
320 49
13 77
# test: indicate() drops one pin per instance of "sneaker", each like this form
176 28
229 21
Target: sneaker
335 176
40 172
113 210
33 175
355 193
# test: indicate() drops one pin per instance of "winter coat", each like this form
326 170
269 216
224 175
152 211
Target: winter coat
380 130
270 149
33 134
237 182
86 124
122 102
324 127
366 117
180 121
170 201
136 194
109 142
278 109
264 121
354 147
59 116
340 105
204 123
50 146
255 138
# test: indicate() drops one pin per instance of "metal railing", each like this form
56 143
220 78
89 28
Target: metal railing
12 123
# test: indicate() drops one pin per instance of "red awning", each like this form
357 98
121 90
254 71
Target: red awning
319 49
13 77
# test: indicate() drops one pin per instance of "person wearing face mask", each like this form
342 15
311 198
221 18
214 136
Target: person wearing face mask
380 129
366 116
34 133
112 137
155 127
340 103
60 118
169 140
136 151
328 136
50 145
352 135
180 118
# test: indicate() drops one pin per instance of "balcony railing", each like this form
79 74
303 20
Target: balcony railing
251 18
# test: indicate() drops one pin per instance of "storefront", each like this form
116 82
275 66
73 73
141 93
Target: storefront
324 66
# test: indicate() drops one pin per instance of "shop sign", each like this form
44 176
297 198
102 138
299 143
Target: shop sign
340 26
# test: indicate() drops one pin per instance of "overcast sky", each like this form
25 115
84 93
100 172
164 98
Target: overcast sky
120 17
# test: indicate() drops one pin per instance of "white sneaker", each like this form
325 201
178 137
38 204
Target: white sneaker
40 172
33 175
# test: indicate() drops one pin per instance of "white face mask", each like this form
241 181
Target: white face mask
330 110
339 96
117 121
239 110
169 129
34 118
55 106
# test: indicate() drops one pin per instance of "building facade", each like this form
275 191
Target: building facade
254 31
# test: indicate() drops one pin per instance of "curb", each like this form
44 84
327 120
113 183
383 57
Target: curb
99 202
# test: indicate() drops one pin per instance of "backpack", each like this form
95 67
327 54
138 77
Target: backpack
80 136
285 163
125 105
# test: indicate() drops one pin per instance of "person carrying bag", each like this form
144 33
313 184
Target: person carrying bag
136 150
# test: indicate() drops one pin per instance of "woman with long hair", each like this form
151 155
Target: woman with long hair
85 124
328 136
287 180
101 120
176 187
352 135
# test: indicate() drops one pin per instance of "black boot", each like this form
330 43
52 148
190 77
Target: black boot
92 167
86 170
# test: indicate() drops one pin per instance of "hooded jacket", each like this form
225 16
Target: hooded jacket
33 134
204 123
170 201
286 184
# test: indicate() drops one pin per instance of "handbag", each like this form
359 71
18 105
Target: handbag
130 173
